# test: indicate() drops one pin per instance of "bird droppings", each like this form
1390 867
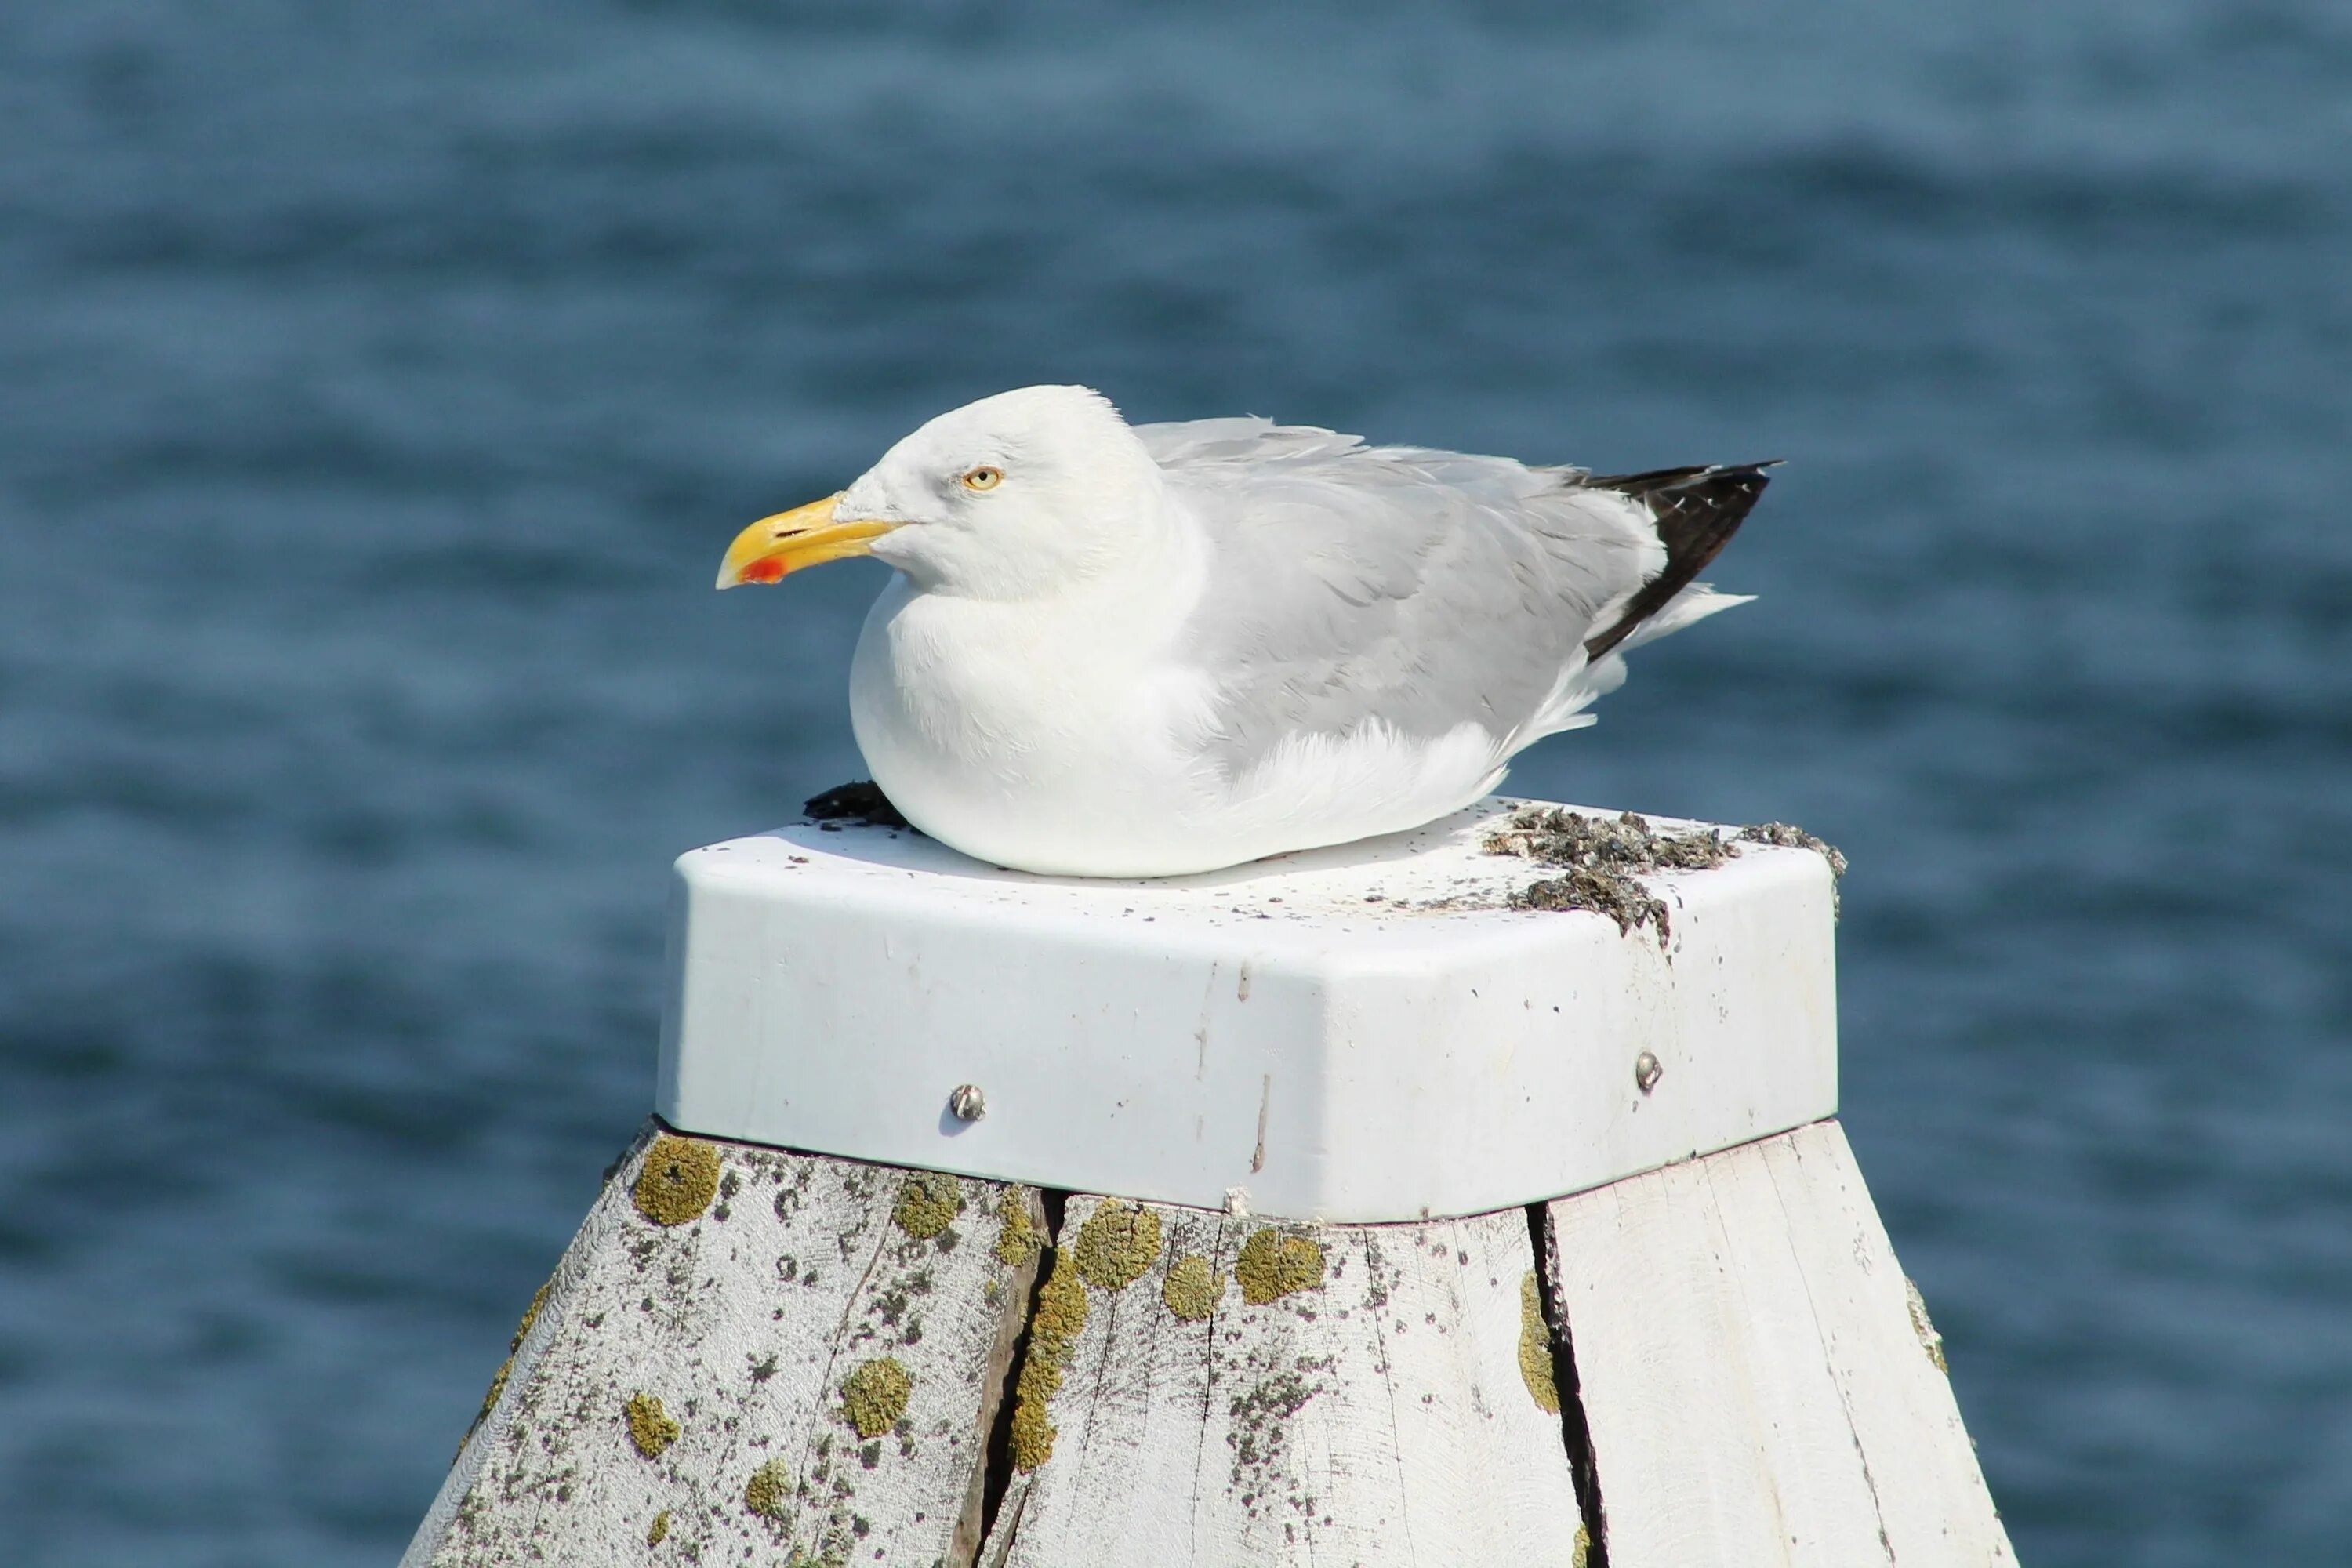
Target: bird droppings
1787 836
1272 1266
679 1179
651 1428
1535 1347
657 1531
1929 1340
769 1489
874 1396
859 801
1116 1245
1192 1287
1603 857
1059 1318
928 1202
1018 1241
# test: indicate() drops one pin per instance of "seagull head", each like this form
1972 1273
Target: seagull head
1019 494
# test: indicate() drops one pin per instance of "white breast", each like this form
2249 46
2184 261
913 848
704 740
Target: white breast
1052 741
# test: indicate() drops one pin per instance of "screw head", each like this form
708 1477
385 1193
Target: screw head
1648 1072
967 1103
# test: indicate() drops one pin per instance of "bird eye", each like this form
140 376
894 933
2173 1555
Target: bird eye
983 479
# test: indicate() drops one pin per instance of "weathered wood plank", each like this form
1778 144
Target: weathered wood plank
1756 1384
1230 1391
748 1355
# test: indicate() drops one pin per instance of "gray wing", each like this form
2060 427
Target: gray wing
1420 587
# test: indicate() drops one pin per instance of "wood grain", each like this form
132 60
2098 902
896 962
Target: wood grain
767 1326
1756 1388
1377 1415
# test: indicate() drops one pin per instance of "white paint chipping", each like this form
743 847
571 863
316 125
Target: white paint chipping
1756 1384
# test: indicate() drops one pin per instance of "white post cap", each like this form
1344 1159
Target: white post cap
1357 1034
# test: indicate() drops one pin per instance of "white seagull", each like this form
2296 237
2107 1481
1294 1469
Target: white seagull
1117 651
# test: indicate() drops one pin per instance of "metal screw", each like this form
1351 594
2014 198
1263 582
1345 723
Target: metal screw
1648 1072
967 1103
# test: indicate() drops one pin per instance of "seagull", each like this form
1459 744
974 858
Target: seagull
1150 651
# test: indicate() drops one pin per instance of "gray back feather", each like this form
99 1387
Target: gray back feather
1420 587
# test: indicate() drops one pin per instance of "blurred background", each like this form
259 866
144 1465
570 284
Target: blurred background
381 384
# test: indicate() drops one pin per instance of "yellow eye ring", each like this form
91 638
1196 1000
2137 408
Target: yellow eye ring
983 477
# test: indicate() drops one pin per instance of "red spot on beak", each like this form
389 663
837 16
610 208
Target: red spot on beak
770 571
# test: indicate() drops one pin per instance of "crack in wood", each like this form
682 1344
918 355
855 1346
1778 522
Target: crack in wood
989 1477
1576 1431
1046 1206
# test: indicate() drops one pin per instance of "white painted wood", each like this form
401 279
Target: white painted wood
747 1321
1757 1386
1362 1033
1380 1417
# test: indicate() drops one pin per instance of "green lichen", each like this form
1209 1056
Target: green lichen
1535 1346
506 1367
874 1396
680 1178
650 1427
1053 1329
1929 1340
659 1529
530 1315
1273 1266
1192 1287
928 1203
1117 1245
769 1489
1583 1548
1019 1239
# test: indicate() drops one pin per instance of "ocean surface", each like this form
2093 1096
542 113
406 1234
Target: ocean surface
380 383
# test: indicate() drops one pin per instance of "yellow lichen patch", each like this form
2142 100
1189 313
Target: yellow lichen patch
1192 1287
1116 1245
506 1367
1929 1340
1273 1266
650 1427
1053 1329
1535 1346
679 1179
1583 1548
769 1488
928 1203
490 1395
1018 1242
658 1530
530 1315
874 1396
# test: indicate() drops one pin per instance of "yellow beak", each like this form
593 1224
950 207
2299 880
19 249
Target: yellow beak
805 536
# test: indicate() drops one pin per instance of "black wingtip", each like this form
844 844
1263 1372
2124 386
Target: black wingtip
1697 510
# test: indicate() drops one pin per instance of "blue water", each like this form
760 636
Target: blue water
379 384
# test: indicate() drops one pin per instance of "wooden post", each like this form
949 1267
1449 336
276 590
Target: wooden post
1220 1221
